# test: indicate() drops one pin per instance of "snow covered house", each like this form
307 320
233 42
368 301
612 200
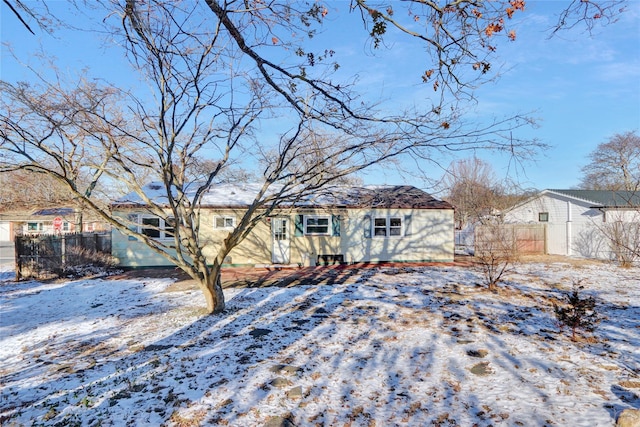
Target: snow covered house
350 225
578 222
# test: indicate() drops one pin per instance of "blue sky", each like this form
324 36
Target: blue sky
582 88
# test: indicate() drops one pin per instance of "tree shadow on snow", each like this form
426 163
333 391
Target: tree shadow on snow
378 344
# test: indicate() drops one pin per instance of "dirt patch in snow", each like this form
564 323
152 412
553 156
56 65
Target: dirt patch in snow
256 277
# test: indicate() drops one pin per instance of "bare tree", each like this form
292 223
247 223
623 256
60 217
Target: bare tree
472 187
462 34
624 237
21 189
479 198
52 133
212 82
621 227
614 165
496 250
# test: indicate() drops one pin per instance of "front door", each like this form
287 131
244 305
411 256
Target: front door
280 239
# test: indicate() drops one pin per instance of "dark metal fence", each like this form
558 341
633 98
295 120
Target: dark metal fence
46 256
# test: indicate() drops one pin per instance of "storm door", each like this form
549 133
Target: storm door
280 240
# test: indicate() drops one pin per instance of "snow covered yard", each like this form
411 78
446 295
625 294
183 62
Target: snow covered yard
391 346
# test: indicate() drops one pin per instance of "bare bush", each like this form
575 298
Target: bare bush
496 250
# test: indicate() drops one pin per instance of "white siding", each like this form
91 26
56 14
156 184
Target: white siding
430 237
5 231
427 235
574 227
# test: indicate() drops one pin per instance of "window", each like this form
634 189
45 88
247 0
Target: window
157 228
151 227
34 226
316 224
224 222
169 226
543 217
387 227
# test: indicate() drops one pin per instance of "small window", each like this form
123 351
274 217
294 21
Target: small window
151 227
34 226
387 227
543 217
224 222
380 227
157 228
169 226
318 225
395 227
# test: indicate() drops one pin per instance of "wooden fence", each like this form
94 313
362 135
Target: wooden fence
522 239
47 256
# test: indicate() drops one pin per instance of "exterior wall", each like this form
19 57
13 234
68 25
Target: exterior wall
6 231
306 249
130 252
428 235
624 215
573 229
46 227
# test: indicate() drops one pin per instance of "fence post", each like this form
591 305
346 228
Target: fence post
16 246
63 250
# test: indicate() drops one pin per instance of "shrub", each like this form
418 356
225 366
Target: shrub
577 312
495 252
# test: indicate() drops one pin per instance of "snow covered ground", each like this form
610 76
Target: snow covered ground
392 346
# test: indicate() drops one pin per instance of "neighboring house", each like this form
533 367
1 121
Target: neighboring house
41 221
352 225
45 221
578 221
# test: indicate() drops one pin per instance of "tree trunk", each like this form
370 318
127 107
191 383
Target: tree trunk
211 287
77 218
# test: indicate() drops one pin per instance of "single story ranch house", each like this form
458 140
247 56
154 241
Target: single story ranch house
352 225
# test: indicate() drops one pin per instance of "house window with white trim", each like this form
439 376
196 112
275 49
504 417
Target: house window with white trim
316 225
35 227
543 217
156 227
224 222
387 227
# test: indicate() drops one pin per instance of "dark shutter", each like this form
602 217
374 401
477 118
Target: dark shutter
407 225
299 225
335 225
366 225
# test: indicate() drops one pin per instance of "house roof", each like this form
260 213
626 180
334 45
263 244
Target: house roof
46 214
391 196
242 195
53 212
604 198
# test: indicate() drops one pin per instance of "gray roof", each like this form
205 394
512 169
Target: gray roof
391 196
54 212
242 195
604 198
